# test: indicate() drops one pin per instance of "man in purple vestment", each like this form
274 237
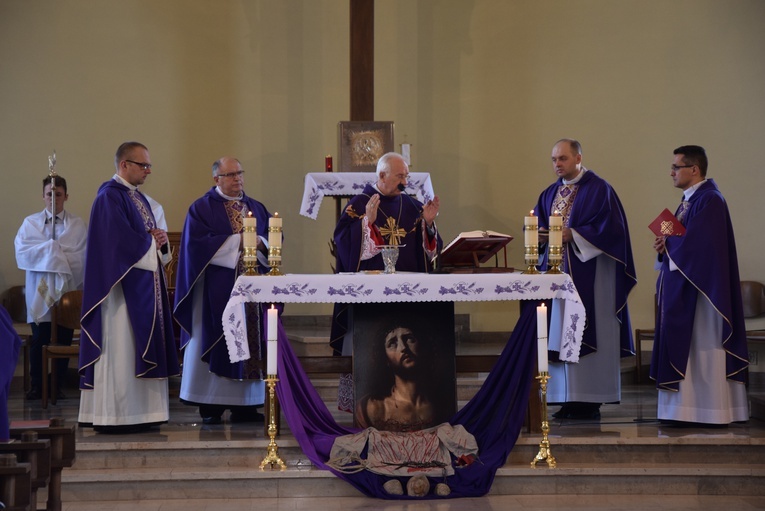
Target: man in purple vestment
598 255
700 358
127 349
209 263
382 215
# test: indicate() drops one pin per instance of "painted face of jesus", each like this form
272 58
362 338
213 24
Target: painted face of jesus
401 347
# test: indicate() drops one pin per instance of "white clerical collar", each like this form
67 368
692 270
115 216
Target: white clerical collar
692 189
577 178
59 216
119 179
217 189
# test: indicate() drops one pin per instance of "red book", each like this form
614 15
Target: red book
666 224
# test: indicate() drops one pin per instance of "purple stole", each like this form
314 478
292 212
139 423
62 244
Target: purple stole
592 208
399 216
708 264
210 221
117 240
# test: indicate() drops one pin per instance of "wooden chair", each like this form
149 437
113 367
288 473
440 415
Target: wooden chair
65 313
753 296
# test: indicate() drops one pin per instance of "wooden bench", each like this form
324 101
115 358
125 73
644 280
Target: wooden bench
15 484
62 451
36 452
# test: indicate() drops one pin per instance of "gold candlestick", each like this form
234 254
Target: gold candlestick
250 261
544 453
272 458
531 256
275 259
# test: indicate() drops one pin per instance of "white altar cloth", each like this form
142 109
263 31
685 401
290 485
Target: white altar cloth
566 326
319 184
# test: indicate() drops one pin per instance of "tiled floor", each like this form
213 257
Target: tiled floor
634 418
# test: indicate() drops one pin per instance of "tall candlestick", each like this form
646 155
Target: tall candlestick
542 338
271 345
328 163
530 230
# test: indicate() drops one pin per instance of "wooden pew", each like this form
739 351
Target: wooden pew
15 484
62 444
36 452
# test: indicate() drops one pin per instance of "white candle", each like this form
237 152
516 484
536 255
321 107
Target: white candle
275 231
249 235
406 153
530 230
556 235
271 344
542 338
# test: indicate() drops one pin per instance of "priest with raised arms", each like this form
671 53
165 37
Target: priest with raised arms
383 215
128 348
211 259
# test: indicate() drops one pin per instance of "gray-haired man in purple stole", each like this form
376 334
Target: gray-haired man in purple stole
700 357
598 255
382 215
209 263
127 349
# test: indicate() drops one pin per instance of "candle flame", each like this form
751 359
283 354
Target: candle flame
531 213
556 213
249 214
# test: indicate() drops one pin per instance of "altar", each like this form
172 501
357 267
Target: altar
495 414
565 331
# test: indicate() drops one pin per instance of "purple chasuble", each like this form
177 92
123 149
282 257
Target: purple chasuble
707 264
407 214
598 216
10 344
117 239
211 220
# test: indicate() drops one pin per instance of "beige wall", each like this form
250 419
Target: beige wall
481 88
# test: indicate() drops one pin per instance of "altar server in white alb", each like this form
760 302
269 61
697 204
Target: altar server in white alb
53 256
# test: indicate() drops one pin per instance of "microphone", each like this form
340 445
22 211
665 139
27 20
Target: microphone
401 187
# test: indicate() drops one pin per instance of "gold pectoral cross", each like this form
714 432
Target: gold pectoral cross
393 233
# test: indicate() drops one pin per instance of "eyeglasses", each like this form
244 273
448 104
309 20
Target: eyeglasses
144 166
232 174
675 168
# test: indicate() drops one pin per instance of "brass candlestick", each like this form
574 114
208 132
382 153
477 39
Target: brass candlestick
250 261
531 256
272 458
275 257
544 453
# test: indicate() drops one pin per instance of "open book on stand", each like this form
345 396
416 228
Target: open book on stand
469 250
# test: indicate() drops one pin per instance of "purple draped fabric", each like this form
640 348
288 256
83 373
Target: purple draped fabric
598 216
117 240
494 416
707 262
10 344
206 229
348 237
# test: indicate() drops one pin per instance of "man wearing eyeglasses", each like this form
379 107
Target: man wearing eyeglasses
598 255
128 348
52 252
700 358
211 259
